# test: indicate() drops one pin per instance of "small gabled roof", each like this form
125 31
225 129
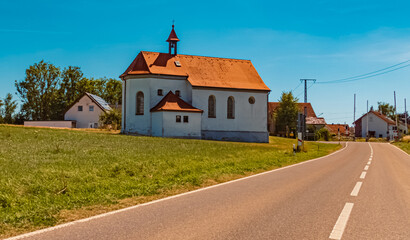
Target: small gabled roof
272 106
172 102
380 115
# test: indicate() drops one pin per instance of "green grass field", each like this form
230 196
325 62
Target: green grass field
50 176
404 144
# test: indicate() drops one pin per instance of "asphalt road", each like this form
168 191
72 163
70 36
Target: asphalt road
333 197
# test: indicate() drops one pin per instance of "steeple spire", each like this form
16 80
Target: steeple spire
172 40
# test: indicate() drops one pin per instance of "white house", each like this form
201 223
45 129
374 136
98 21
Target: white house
86 111
378 125
173 95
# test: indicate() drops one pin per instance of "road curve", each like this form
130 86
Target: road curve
319 199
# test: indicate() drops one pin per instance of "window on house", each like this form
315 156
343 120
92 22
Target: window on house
211 107
80 108
91 108
160 93
231 108
140 104
178 118
185 119
178 93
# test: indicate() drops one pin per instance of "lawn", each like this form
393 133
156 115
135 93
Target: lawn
51 176
404 144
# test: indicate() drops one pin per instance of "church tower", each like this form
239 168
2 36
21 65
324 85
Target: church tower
172 40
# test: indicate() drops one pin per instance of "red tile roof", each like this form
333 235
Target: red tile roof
333 128
172 102
315 121
199 71
272 106
381 116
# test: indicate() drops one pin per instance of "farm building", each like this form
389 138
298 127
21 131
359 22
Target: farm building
175 95
378 125
86 111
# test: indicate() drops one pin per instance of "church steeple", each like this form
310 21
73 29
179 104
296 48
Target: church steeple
172 40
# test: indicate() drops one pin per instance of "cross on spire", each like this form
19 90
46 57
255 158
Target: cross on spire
172 40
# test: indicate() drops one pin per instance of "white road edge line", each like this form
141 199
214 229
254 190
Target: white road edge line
363 175
356 189
341 222
366 167
163 199
399 149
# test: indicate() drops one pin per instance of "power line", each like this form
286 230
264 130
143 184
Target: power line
297 87
370 74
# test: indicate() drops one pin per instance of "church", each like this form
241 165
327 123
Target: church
186 96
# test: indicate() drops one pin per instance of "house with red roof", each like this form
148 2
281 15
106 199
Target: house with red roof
377 124
176 95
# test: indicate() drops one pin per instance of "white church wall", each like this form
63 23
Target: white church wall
190 129
141 124
249 124
157 124
84 118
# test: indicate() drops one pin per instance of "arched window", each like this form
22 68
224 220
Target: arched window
231 108
211 107
140 104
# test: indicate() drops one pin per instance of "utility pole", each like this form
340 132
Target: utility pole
395 113
405 117
305 108
354 118
367 122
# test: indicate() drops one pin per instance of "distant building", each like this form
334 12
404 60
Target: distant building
313 122
185 96
335 129
86 111
378 125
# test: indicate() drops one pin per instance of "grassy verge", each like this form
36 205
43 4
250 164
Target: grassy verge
51 176
404 144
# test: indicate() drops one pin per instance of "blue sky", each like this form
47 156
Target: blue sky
286 41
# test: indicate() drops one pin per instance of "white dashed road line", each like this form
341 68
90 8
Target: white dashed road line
366 167
341 222
363 175
356 189
369 162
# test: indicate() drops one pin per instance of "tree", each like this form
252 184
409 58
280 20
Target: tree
287 113
113 91
38 91
1 111
386 109
9 108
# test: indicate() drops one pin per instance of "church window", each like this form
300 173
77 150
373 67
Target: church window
211 107
251 100
160 93
231 108
178 118
140 103
185 119
178 93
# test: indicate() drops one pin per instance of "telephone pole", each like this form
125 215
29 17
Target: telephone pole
354 118
305 109
405 117
367 122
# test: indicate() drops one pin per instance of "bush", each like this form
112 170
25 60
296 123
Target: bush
322 134
111 119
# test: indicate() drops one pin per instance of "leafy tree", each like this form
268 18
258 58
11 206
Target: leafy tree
113 91
1 111
111 119
386 109
287 113
9 108
38 91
